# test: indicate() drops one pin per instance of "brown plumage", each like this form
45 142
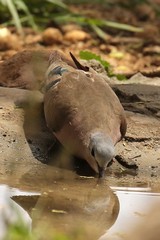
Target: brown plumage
83 112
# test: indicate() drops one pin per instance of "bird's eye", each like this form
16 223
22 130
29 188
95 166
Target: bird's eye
92 152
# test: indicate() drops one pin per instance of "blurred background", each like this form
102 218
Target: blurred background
125 33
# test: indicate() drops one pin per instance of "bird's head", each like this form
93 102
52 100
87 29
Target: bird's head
102 149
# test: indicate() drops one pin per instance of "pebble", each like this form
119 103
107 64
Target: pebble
70 27
51 36
8 40
76 35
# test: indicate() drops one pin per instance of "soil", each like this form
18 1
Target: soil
139 95
23 130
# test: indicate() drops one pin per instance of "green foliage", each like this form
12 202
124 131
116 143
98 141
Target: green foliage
58 3
85 1
24 12
104 23
95 22
97 25
18 232
87 55
21 6
12 9
18 8
60 236
39 13
133 3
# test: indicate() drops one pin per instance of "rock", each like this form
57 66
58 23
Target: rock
76 35
51 36
158 114
8 40
70 27
32 39
145 11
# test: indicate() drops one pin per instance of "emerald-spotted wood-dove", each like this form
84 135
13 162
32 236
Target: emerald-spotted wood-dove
83 112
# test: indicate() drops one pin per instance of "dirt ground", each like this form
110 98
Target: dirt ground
127 52
25 137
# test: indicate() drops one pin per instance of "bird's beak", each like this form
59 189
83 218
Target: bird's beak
101 171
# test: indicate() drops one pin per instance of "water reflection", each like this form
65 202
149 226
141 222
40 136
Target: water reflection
136 206
82 209
86 207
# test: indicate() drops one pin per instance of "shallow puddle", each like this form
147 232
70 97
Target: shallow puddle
82 210
100 213
137 206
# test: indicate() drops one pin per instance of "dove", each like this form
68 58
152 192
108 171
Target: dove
83 112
